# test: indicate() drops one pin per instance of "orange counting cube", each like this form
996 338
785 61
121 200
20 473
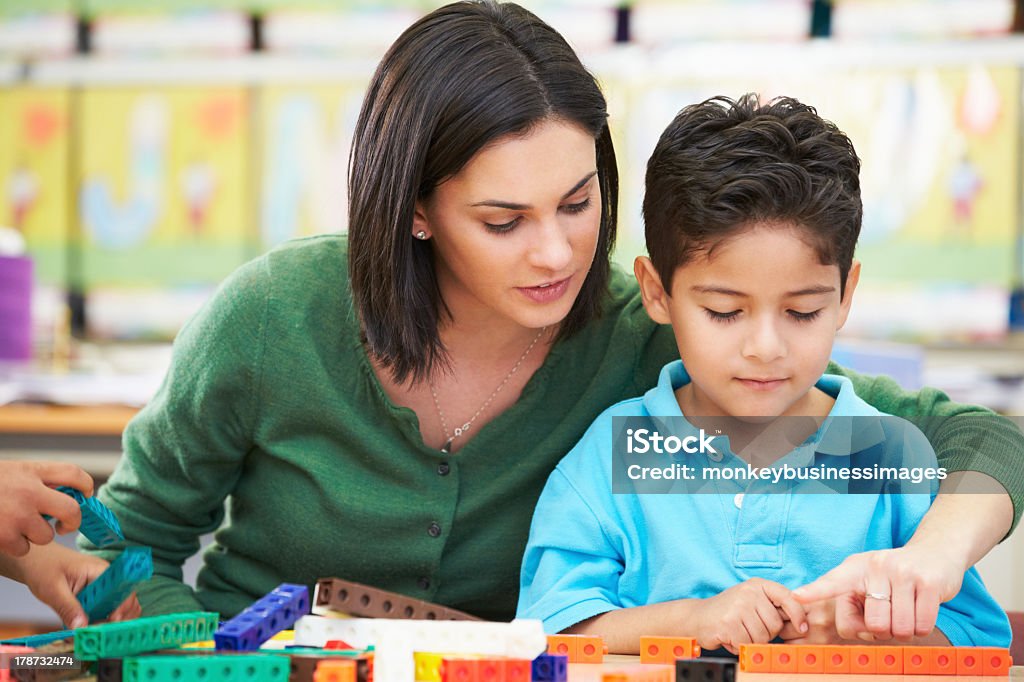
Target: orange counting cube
458 670
667 649
809 659
863 660
783 658
915 660
563 645
995 661
755 658
517 670
837 659
968 661
331 670
590 650
490 670
941 660
579 648
889 660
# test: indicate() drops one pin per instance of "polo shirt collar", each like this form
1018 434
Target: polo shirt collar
660 401
839 435
852 425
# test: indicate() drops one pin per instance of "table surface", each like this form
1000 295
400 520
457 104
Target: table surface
591 672
65 420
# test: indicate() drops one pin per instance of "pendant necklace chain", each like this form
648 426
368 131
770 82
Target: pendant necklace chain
461 430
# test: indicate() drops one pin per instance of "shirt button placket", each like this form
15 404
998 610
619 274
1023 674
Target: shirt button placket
448 482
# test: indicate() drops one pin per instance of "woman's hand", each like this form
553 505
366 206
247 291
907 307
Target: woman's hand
889 593
55 574
896 593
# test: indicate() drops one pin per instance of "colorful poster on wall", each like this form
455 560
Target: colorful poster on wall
34 197
307 133
163 194
939 150
939 171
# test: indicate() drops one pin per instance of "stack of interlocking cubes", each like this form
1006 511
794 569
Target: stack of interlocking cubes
446 646
177 647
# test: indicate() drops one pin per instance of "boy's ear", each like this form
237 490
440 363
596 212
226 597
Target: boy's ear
852 278
656 299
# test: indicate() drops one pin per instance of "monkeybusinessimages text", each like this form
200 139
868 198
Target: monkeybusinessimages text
647 441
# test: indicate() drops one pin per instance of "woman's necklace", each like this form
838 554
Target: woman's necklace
460 430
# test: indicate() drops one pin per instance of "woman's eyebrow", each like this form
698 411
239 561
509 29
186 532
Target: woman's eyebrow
497 203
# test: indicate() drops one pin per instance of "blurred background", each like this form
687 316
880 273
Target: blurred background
149 147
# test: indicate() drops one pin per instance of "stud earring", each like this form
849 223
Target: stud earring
421 235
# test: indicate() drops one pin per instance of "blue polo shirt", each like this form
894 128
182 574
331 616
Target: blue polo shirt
591 551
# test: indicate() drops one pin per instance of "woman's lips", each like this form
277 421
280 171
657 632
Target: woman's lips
545 294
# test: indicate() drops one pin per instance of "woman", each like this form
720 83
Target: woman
388 410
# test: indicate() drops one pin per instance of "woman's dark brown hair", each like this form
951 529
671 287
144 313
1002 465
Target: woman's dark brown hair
457 80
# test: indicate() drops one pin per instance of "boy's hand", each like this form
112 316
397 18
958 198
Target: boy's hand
55 574
27 492
821 626
754 611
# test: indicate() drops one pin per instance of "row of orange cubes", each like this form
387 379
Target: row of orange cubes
591 649
871 660
579 648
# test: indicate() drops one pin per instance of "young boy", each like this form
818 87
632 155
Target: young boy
752 214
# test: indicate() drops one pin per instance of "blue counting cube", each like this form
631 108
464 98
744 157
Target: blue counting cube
98 523
79 497
269 615
550 668
103 595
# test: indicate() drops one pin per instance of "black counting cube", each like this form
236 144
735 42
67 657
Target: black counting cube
706 670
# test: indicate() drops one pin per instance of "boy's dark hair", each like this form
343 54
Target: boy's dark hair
721 166
458 79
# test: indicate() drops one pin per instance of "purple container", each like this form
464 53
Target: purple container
15 308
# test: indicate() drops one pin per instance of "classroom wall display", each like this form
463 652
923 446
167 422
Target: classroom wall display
164 197
34 180
930 19
939 179
366 30
657 22
34 28
101 7
306 135
154 27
